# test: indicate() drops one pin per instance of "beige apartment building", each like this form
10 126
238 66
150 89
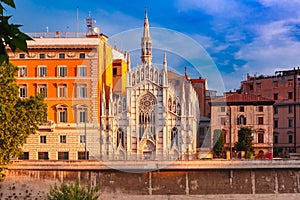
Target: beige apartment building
283 88
233 111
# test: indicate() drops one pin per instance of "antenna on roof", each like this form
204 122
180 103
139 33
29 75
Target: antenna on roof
77 27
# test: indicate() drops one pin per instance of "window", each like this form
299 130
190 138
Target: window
42 89
61 55
290 108
275 123
23 91
42 71
115 71
260 120
275 84
82 55
63 155
260 137
241 120
82 91
251 87
290 138
82 71
222 108
25 156
43 156
258 86
223 121
62 113
290 95
82 155
290 82
63 139
121 138
260 109
242 109
275 96
275 139
275 110
62 71
62 90
22 71
43 139
82 116
21 55
42 55
290 123
82 139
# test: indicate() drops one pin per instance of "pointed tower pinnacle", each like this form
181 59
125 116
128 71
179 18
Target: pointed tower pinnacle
146 42
165 62
128 62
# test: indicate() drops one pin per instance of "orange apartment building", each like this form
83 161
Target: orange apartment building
284 89
71 72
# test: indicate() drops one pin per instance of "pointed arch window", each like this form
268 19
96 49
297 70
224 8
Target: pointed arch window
146 114
170 104
174 137
121 139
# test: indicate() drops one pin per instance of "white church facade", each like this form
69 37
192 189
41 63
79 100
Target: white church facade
156 118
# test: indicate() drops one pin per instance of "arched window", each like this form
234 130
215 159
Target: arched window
142 74
62 113
137 77
241 120
155 76
147 72
160 79
178 109
174 107
151 74
170 104
146 114
174 137
121 138
133 79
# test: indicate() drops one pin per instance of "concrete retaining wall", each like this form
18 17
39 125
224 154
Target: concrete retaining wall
179 180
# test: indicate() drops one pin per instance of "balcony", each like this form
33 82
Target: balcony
48 125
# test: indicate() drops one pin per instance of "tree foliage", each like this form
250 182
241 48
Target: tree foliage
244 142
72 191
18 117
10 35
218 141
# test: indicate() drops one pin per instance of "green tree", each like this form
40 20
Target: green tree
10 35
18 117
72 191
244 142
218 141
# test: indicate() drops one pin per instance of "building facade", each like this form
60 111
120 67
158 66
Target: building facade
71 73
283 88
156 117
234 111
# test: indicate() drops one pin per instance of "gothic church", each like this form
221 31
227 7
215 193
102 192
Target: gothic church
157 117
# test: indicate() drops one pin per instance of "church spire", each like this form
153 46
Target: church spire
146 42
165 61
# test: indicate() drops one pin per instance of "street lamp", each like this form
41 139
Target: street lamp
85 119
230 136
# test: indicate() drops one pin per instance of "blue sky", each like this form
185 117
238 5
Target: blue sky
241 37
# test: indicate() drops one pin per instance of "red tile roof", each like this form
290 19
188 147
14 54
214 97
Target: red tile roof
242 98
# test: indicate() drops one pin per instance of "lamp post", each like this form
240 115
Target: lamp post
85 119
